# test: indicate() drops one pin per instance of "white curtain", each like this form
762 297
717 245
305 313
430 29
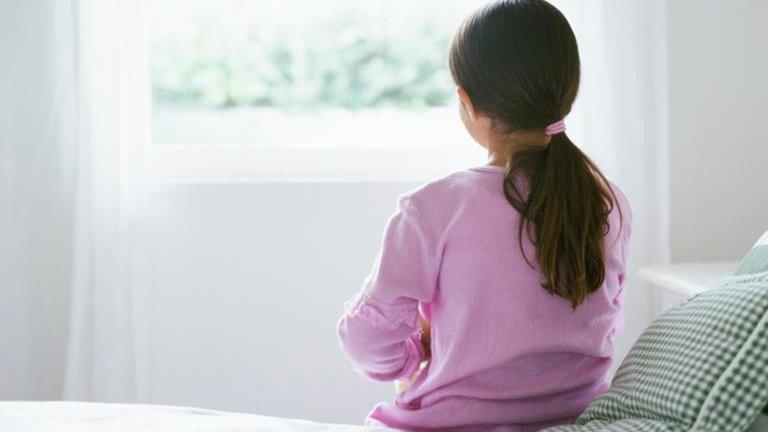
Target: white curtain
74 98
107 345
37 113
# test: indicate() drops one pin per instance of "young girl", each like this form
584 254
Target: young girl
498 290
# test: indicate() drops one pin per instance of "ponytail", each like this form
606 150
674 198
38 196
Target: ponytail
518 61
564 210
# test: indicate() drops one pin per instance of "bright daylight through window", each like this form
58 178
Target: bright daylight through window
306 89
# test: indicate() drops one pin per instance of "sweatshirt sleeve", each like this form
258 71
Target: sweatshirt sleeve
379 331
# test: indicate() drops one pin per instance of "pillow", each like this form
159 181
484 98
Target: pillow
701 366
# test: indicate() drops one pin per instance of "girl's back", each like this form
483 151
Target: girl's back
505 353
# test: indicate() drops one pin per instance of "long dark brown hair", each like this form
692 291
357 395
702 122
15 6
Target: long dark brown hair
518 61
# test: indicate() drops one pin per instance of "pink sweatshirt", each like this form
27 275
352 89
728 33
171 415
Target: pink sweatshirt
506 354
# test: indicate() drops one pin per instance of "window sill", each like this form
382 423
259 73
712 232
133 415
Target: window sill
190 164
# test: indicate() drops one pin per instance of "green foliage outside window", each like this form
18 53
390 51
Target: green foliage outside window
347 65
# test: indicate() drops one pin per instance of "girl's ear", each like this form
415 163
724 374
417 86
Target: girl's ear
466 102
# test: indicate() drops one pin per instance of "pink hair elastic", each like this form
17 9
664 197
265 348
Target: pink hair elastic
555 128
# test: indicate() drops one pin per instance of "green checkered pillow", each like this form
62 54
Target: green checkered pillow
702 366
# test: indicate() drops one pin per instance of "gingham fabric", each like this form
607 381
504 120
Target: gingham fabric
702 366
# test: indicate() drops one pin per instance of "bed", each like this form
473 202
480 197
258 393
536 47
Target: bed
103 417
92 417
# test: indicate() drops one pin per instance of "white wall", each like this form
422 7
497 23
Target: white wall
718 94
250 281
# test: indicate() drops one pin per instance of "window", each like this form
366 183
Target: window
247 90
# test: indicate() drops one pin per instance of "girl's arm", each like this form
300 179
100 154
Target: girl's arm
380 332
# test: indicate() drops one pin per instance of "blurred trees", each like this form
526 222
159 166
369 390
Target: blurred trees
343 64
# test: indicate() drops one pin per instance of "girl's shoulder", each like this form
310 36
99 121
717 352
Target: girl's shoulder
438 204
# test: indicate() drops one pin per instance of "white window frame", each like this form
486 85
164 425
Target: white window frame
244 164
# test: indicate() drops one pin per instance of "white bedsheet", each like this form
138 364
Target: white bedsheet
90 417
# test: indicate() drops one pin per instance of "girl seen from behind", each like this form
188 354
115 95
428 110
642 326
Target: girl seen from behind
497 293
